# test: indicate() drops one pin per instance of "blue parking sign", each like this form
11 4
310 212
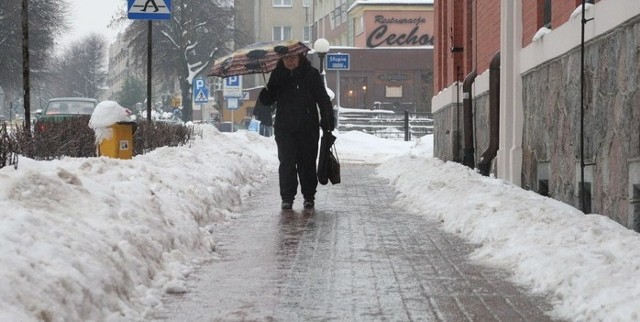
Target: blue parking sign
232 86
200 90
232 81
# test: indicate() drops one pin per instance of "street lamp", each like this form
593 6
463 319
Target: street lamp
364 95
321 46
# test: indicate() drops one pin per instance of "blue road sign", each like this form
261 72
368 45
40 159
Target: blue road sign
232 86
200 90
149 9
232 81
338 61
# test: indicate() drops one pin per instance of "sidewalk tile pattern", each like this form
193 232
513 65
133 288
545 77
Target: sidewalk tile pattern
357 258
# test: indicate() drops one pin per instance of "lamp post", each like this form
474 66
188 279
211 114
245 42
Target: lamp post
364 95
321 47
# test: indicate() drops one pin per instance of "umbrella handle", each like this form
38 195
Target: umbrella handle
265 81
264 77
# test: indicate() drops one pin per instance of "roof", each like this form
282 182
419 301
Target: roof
389 2
73 99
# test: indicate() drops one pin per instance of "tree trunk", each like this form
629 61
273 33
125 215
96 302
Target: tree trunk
187 106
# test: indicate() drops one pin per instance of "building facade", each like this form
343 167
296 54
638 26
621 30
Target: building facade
390 46
517 100
120 66
266 20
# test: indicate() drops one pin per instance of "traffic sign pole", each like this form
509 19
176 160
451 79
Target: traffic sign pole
338 62
149 10
338 92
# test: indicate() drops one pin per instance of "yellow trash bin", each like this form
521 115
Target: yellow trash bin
120 144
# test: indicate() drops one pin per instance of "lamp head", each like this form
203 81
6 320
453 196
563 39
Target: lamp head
321 46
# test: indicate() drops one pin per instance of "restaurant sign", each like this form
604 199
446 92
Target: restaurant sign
394 31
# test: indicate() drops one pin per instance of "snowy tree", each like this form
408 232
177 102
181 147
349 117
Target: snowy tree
82 68
184 46
46 22
132 91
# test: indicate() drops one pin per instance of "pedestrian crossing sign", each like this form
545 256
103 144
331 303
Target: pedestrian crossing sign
201 97
200 90
149 9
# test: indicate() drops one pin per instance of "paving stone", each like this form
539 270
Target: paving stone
357 258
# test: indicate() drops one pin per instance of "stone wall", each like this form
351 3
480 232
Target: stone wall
551 137
449 134
446 132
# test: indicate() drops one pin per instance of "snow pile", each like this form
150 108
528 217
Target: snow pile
588 263
100 239
106 114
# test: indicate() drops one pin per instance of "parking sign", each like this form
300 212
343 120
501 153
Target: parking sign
232 86
200 90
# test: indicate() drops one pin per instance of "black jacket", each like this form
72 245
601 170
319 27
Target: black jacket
296 93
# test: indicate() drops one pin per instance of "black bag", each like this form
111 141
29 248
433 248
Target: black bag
334 166
328 165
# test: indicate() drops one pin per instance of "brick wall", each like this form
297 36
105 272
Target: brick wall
464 20
532 19
488 32
533 15
458 23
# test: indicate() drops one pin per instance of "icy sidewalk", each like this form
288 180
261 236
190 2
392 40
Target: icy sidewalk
356 259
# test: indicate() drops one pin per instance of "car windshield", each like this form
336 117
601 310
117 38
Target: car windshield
69 107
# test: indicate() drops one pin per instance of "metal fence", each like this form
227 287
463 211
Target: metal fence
387 124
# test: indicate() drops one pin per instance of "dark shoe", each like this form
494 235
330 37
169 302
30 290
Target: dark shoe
286 205
308 204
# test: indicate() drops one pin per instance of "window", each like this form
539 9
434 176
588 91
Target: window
306 3
393 91
306 34
281 32
547 14
282 3
359 25
336 16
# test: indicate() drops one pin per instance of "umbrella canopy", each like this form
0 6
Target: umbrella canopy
261 57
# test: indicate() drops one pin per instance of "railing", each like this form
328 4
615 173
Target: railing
386 124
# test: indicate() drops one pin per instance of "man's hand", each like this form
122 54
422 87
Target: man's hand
327 122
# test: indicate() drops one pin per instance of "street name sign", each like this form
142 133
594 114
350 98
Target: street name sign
338 61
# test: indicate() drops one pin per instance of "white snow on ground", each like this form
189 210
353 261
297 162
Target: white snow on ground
102 239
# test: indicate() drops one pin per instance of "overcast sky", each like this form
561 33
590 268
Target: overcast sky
91 16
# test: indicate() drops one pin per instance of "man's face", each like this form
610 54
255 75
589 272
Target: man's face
291 62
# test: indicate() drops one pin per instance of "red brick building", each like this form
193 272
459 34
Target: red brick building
530 92
472 28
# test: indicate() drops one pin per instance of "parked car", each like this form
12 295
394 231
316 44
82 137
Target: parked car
68 106
61 108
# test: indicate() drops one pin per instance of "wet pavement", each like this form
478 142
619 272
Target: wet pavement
357 258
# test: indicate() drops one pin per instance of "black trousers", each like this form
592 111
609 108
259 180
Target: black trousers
297 152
